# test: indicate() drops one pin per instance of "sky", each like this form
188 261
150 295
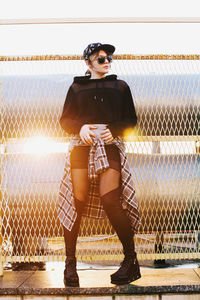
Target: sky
134 38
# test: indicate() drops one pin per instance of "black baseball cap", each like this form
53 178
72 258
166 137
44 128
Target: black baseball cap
94 47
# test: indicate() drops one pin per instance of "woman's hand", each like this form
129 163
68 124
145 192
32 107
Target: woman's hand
106 136
86 134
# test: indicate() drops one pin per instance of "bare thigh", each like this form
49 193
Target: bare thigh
80 183
109 180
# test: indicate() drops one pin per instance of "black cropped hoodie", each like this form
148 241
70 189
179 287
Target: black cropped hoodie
98 101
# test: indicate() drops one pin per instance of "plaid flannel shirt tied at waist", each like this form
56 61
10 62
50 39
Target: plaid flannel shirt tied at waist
98 161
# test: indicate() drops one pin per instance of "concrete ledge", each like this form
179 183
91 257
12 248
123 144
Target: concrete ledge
122 290
97 283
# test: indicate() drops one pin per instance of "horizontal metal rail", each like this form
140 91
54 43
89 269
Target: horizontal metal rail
158 56
100 20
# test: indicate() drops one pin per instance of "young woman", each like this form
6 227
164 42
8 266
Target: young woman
97 180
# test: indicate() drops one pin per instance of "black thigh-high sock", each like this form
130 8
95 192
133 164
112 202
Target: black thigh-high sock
70 273
129 270
70 237
119 220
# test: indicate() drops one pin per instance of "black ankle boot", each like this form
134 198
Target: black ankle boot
128 272
70 274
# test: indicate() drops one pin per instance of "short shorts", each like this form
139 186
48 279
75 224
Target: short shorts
80 154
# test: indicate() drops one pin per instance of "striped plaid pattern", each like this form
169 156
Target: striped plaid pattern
97 163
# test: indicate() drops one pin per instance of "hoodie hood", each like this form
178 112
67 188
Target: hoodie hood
86 79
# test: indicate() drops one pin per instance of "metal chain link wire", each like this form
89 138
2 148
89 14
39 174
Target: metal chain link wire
163 151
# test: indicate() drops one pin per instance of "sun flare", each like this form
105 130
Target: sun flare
43 145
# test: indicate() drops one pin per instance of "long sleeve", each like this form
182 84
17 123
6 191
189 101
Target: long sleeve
129 117
69 121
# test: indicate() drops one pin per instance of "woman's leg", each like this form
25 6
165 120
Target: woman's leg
79 175
110 197
80 189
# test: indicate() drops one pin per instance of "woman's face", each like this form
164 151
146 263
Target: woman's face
95 67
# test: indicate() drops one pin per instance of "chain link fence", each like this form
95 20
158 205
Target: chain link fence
164 155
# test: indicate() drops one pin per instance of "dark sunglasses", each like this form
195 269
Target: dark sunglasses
101 60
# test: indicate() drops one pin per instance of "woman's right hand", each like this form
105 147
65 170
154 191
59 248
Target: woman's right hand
86 134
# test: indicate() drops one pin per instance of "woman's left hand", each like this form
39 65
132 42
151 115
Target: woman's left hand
106 136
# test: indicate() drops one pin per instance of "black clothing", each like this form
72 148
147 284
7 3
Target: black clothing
80 154
70 237
129 270
98 101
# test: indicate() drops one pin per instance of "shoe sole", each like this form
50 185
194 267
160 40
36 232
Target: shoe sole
129 280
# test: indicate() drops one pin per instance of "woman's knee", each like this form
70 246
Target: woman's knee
111 200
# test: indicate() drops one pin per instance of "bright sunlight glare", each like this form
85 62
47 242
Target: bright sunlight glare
43 145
